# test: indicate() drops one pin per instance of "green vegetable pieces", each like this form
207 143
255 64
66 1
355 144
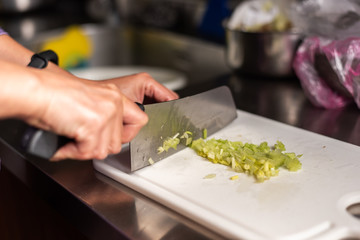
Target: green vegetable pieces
260 161
170 142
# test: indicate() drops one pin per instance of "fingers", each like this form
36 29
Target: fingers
103 115
69 151
153 89
136 86
158 92
133 120
116 134
117 121
96 125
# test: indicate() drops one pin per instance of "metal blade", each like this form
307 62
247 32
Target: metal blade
211 110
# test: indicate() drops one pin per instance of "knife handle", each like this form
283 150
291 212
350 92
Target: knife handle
141 106
42 143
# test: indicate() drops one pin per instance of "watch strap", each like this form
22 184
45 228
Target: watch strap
40 60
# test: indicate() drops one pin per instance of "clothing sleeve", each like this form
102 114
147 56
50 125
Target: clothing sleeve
2 32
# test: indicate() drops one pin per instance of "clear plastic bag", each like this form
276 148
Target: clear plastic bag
261 16
328 61
327 18
329 71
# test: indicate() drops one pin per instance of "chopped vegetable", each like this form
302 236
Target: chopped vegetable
187 135
151 161
260 161
212 175
234 177
170 142
205 133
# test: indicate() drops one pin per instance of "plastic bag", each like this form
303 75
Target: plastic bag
260 16
328 61
329 71
327 18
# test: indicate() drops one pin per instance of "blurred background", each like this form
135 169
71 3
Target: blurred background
182 35
183 16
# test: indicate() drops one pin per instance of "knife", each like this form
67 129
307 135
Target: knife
211 110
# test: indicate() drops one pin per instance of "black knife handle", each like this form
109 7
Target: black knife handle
42 143
141 106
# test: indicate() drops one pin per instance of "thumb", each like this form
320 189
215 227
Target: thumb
68 151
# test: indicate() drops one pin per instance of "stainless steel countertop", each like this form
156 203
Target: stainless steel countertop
104 209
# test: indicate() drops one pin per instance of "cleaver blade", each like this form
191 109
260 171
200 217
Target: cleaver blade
211 110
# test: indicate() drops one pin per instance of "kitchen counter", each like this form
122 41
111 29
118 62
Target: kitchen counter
97 207
101 208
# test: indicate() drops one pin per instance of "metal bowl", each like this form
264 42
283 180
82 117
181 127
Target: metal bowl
262 53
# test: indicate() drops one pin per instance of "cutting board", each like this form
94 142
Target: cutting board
308 204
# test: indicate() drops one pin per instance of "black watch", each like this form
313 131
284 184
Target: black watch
40 60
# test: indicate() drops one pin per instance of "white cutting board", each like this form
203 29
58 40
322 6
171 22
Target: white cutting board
308 204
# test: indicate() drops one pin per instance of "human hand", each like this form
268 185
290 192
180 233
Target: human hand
134 88
97 116
141 85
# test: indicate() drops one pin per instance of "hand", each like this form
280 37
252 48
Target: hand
97 116
139 86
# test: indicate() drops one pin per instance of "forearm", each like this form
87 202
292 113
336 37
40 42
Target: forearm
13 52
17 86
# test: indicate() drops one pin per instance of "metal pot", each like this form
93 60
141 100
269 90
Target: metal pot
262 53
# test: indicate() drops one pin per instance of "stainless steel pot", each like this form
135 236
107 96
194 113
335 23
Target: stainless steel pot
262 53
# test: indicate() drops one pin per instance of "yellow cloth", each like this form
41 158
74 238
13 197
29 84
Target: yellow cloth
73 47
